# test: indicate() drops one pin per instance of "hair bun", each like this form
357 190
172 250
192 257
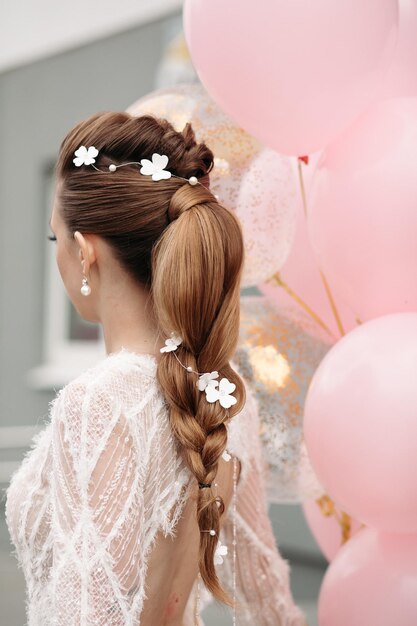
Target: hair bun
186 197
187 156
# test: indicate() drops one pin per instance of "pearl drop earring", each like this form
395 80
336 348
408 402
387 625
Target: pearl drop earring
85 288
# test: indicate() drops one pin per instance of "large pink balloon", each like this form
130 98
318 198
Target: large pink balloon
372 581
326 529
363 211
360 422
401 77
293 74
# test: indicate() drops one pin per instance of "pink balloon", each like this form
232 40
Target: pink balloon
360 422
326 530
293 74
301 275
401 77
372 581
363 211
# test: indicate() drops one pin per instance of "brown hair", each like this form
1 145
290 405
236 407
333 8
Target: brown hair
187 249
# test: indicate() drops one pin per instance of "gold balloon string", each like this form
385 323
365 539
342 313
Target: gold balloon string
276 278
302 188
332 304
328 508
323 277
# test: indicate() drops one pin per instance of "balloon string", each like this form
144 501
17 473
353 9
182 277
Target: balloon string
276 278
302 188
332 304
323 277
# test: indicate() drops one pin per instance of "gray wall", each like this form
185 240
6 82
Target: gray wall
38 104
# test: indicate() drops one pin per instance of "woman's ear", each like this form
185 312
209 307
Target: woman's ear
86 252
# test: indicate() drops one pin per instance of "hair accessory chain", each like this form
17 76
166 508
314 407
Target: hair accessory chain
155 167
215 390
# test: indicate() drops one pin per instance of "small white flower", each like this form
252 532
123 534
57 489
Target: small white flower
226 456
219 553
207 379
155 167
222 393
85 156
171 343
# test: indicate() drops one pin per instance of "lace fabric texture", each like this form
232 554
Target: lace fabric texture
102 479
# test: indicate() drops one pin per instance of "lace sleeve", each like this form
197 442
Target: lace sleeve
263 590
96 512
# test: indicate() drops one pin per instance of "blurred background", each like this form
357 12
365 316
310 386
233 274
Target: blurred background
59 63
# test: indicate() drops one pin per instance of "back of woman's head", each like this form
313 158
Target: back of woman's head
180 243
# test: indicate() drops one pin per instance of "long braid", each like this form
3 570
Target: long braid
196 271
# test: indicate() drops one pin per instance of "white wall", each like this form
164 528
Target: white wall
33 29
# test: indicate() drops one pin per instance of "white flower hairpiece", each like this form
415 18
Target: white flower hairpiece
226 456
206 381
85 156
171 343
155 167
222 393
219 553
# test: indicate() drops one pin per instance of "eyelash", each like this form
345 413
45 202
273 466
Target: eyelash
51 237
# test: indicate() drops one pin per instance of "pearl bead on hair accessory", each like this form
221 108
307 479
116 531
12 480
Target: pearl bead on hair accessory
212 532
155 167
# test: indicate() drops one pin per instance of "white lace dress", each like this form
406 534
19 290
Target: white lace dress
102 478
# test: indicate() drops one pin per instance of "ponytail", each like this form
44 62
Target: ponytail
196 270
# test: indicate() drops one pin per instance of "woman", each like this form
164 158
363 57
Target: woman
125 510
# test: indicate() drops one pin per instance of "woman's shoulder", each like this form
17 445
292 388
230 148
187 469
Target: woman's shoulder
122 376
116 365
119 390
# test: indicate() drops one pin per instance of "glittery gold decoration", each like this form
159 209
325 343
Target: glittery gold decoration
257 183
278 359
329 509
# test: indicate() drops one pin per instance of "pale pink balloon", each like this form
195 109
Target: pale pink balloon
257 183
264 200
301 275
401 77
363 211
293 74
372 581
326 530
360 422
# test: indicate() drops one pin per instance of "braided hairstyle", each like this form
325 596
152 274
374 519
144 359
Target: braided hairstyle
186 248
